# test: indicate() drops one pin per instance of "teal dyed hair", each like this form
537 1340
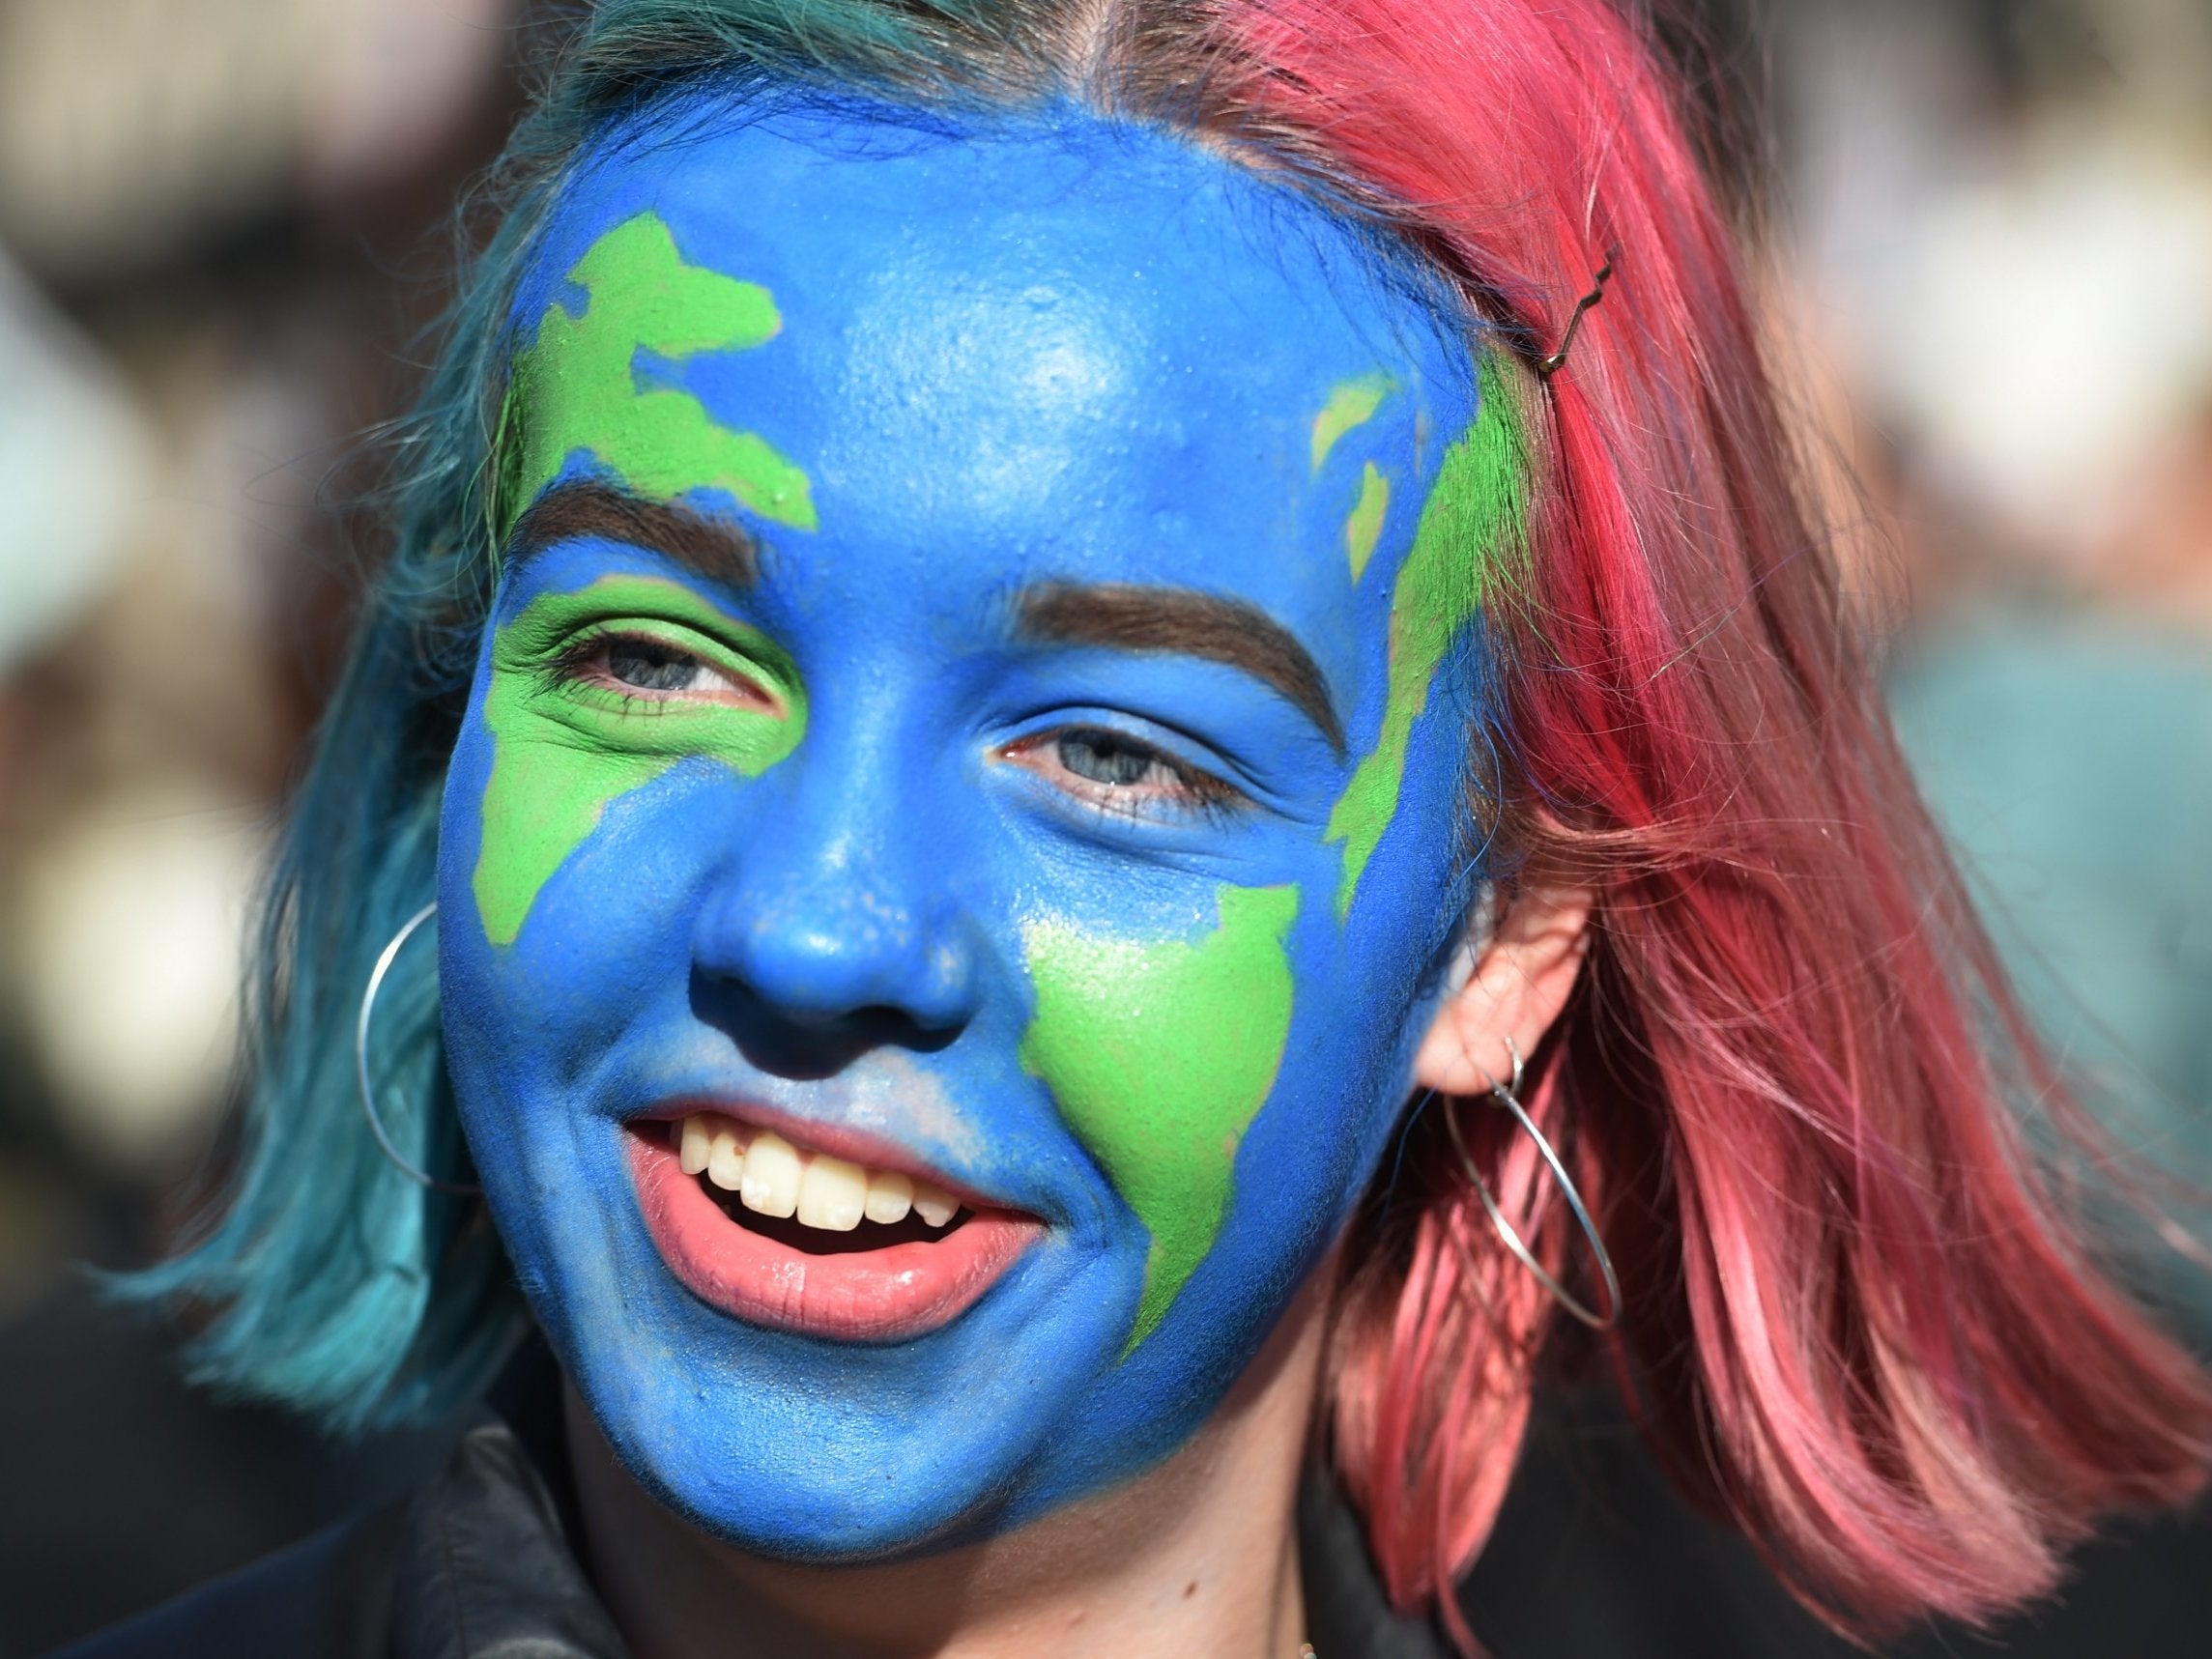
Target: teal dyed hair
323 1278
329 1281
1799 1045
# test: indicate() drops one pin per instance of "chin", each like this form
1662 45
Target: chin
796 1446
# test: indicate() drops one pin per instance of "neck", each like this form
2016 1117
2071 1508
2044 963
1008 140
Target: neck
1196 1556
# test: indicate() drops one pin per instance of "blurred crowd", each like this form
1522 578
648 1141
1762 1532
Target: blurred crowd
224 230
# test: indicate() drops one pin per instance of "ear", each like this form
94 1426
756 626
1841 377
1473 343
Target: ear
1516 990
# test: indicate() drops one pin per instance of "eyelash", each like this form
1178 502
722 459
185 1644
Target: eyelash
1197 792
584 661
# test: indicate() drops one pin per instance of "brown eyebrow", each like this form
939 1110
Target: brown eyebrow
582 508
1133 619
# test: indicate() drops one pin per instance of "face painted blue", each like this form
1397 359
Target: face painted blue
967 830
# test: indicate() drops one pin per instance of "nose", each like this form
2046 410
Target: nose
833 911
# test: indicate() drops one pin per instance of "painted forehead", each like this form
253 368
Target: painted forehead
1069 351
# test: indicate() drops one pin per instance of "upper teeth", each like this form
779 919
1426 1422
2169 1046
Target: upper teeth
774 1178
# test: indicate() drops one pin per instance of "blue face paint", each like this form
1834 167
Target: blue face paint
976 824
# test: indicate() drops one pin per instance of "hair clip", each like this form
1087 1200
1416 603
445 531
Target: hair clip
1549 366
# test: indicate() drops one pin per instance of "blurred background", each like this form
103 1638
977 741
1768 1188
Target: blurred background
225 226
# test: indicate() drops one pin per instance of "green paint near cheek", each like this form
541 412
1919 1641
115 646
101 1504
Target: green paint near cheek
560 752
542 803
1351 403
1364 527
575 387
1472 528
1158 1056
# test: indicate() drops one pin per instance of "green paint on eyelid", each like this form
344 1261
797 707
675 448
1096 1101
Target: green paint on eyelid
1158 1055
1351 403
1365 526
1472 525
562 753
575 387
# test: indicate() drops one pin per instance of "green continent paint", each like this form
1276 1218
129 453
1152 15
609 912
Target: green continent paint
1352 403
1158 1055
1364 527
562 752
1472 526
575 387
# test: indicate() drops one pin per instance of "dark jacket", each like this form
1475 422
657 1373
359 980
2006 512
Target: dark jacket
1594 1558
478 1564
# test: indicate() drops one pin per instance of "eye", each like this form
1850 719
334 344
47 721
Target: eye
1116 772
649 665
649 670
1103 758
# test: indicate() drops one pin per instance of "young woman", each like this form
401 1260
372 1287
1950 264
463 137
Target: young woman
1130 744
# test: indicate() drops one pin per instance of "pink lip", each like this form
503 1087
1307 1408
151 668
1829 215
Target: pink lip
865 1296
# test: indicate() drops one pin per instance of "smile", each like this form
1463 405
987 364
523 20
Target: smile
779 1233
772 1178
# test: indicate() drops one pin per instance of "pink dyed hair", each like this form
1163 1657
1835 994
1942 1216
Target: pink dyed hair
1859 1321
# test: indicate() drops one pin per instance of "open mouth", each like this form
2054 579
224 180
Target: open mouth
795 1237
812 1201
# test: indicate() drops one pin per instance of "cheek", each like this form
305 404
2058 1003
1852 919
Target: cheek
541 802
546 783
1158 1055
579 868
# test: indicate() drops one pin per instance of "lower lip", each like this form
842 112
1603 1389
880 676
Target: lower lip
890 1295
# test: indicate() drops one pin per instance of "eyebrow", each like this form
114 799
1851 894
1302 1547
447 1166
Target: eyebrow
705 547
1128 617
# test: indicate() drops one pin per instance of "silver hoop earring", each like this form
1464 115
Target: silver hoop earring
1508 1095
383 962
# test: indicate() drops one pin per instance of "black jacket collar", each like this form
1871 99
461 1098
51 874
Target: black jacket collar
486 1570
479 1563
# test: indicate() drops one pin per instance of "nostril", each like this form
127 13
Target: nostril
779 1040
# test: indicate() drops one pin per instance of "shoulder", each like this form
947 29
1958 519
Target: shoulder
325 1597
